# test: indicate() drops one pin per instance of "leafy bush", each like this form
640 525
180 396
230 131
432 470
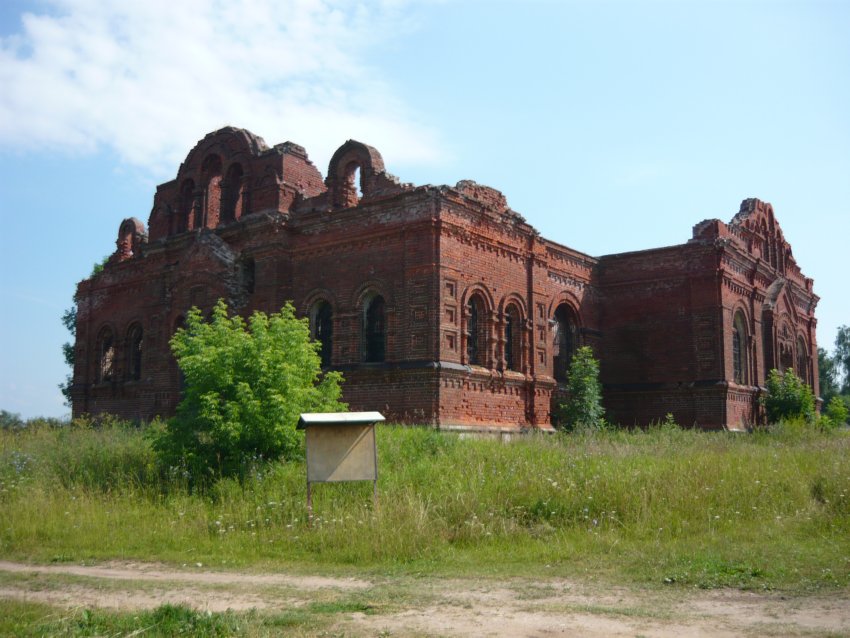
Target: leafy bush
836 411
245 388
10 420
788 397
583 409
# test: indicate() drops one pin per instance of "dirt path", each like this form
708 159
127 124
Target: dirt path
438 607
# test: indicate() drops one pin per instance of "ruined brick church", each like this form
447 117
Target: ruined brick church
440 304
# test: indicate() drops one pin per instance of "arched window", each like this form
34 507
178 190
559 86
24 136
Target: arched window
321 329
134 352
802 360
513 339
105 370
247 275
231 194
187 206
374 330
353 189
211 172
564 341
740 345
476 331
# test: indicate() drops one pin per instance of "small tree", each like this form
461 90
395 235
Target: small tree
583 409
245 386
69 320
836 411
842 356
788 397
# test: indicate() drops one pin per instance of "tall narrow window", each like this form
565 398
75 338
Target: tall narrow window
231 194
321 327
513 339
211 175
802 361
739 349
134 352
247 275
374 330
105 356
564 346
476 331
187 206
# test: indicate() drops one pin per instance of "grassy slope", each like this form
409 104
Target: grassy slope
664 506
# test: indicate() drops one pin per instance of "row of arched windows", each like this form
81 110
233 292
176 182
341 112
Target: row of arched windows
373 329
218 199
477 333
109 349
741 348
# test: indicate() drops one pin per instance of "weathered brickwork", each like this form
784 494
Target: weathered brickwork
440 305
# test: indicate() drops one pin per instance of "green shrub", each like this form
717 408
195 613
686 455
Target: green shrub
583 409
788 397
836 411
245 388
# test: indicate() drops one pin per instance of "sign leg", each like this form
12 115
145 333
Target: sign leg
309 504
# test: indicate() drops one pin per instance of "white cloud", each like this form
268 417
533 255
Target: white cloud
147 79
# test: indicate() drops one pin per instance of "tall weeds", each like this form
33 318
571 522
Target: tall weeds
769 509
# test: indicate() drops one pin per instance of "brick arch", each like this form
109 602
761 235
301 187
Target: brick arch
565 297
131 235
351 157
371 288
229 142
481 289
316 295
516 299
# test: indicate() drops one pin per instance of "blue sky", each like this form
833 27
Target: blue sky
611 126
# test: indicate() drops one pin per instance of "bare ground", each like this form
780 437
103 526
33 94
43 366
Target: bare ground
430 606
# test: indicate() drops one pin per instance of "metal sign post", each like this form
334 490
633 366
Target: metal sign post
340 446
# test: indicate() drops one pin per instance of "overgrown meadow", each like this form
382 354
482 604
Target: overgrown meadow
666 506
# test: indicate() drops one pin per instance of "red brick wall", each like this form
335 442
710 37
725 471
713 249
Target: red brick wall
660 321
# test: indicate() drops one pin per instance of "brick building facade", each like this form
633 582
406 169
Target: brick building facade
440 304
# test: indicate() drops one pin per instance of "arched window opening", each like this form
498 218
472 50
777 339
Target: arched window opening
786 350
134 352
564 342
513 339
186 207
476 331
105 371
740 348
352 187
374 330
802 361
211 171
231 194
321 330
247 275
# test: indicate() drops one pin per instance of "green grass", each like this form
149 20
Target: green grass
26 619
665 506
